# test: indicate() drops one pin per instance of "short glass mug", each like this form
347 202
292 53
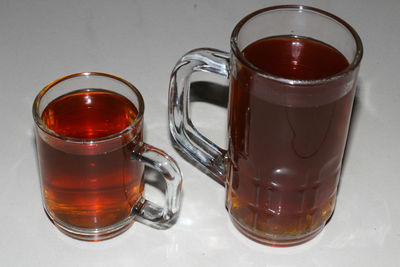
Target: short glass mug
287 126
91 154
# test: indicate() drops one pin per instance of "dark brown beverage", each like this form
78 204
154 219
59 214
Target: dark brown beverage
286 143
90 184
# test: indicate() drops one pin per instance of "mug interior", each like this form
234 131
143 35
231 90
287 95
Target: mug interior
86 80
298 21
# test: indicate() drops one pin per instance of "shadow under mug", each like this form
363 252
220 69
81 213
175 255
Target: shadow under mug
286 134
89 135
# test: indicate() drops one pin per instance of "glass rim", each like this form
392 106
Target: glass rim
352 65
38 120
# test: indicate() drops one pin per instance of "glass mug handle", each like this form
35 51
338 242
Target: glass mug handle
148 212
186 136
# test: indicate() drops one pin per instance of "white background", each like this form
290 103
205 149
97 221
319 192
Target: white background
41 40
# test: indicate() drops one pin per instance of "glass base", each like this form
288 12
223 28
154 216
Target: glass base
275 240
93 235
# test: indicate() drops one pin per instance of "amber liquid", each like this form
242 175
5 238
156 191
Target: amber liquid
89 185
285 159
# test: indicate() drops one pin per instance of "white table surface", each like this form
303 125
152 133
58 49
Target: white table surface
41 40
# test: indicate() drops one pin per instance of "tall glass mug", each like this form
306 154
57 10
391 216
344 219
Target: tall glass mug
292 72
89 135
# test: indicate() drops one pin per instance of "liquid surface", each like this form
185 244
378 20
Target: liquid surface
295 58
89 114
96 189
285 161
